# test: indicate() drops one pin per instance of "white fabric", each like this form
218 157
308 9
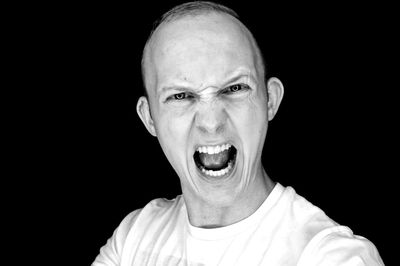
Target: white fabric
285 230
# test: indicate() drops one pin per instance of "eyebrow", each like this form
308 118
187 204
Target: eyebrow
233 79
176 88
238 77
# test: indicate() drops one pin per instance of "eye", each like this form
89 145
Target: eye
180 96
236 88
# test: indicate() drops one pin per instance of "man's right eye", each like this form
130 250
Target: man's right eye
182 96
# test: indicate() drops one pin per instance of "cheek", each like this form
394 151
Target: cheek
172 130
259 117
177 124
255 127
250 117
250 121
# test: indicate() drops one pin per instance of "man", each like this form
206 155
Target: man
209 105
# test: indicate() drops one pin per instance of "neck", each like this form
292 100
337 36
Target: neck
212 214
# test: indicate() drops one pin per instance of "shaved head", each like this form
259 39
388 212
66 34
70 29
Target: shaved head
206 87
179 18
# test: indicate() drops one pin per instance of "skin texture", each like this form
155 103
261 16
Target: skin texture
200 58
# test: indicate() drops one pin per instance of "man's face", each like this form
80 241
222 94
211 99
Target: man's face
208 103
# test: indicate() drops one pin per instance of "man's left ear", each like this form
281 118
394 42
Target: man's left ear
275 95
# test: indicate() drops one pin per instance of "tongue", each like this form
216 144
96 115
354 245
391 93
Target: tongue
214 161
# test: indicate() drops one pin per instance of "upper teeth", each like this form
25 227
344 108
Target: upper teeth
213 149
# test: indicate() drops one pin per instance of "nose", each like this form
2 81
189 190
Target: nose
211 118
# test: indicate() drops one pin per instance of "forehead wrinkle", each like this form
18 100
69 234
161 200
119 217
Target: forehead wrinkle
207 92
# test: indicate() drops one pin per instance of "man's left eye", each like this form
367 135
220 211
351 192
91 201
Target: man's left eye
236 88
180 96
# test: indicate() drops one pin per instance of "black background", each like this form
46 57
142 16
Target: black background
332 139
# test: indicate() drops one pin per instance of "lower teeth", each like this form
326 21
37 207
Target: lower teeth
218 173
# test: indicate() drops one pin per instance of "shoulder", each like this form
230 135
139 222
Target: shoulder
322 241
133 223
298 207
156 208
306 219
339 246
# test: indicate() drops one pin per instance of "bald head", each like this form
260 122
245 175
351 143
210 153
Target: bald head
198 39
205 82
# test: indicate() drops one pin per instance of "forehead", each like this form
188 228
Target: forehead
198 48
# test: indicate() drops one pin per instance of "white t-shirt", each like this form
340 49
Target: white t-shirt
285 230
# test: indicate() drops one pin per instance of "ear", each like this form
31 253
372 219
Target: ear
275 95
143 110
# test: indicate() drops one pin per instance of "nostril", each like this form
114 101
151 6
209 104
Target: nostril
211 127
211 121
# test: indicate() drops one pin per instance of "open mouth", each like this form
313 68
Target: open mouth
215 161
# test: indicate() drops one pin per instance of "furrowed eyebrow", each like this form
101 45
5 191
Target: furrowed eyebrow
247 76
175 88
234 79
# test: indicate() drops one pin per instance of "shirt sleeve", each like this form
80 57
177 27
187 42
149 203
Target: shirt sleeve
338 246
110 253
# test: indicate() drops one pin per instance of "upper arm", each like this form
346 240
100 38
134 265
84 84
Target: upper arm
338 246
110 253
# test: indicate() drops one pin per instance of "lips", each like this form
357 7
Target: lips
215 160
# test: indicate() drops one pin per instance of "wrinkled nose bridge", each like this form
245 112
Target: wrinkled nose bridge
211 117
